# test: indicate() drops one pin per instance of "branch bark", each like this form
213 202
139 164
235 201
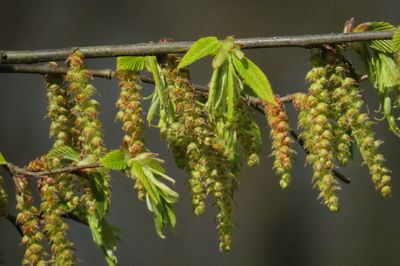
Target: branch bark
142 49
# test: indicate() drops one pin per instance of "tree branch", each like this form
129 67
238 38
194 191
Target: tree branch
15 170
142 49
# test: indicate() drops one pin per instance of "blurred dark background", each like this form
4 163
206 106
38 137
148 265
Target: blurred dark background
275 227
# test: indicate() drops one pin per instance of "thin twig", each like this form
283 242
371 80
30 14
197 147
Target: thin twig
305 41
69 169
108 74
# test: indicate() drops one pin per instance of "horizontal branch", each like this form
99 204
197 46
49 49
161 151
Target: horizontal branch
305 41
108 74
15 170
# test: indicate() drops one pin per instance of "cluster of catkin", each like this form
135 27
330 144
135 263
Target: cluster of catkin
74 123
193 139
331 118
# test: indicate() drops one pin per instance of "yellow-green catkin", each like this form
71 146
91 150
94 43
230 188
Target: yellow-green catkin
318 131
359 124
87 129
339 103
3 198
28 219
51 210
281 141
248 134
62 120
55 228
347 103
130 112
206 155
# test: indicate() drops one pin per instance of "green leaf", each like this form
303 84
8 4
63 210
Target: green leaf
171 215
248 91
137 172
223 52
114 160
254 77
105 236
217 94
160 185
396 40
385 46
154 107
155 69
134 63
233 92
201 48
64 152
147 168
2 159
96 183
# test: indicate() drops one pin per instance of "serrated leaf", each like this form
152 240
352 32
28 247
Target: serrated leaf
137 172
133 63
201 48
96 183
64 152
385 46
160 185
396 40
105 236
2 159
114 160
254 77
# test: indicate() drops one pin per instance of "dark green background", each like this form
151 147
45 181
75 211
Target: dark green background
275 227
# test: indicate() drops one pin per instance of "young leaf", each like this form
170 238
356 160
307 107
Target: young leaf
385 46
254 77
114 160
137 172
232 91
64 152
217 92
201 48
134 63
396 40
105 236
223 52
154 107
154 68
2 159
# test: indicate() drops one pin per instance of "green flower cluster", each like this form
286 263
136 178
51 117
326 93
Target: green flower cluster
318 131
130 111
247 133
87 129
281 141
59 108
348 102
51 210
3 198
331 117
193 138
28 219
62 120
